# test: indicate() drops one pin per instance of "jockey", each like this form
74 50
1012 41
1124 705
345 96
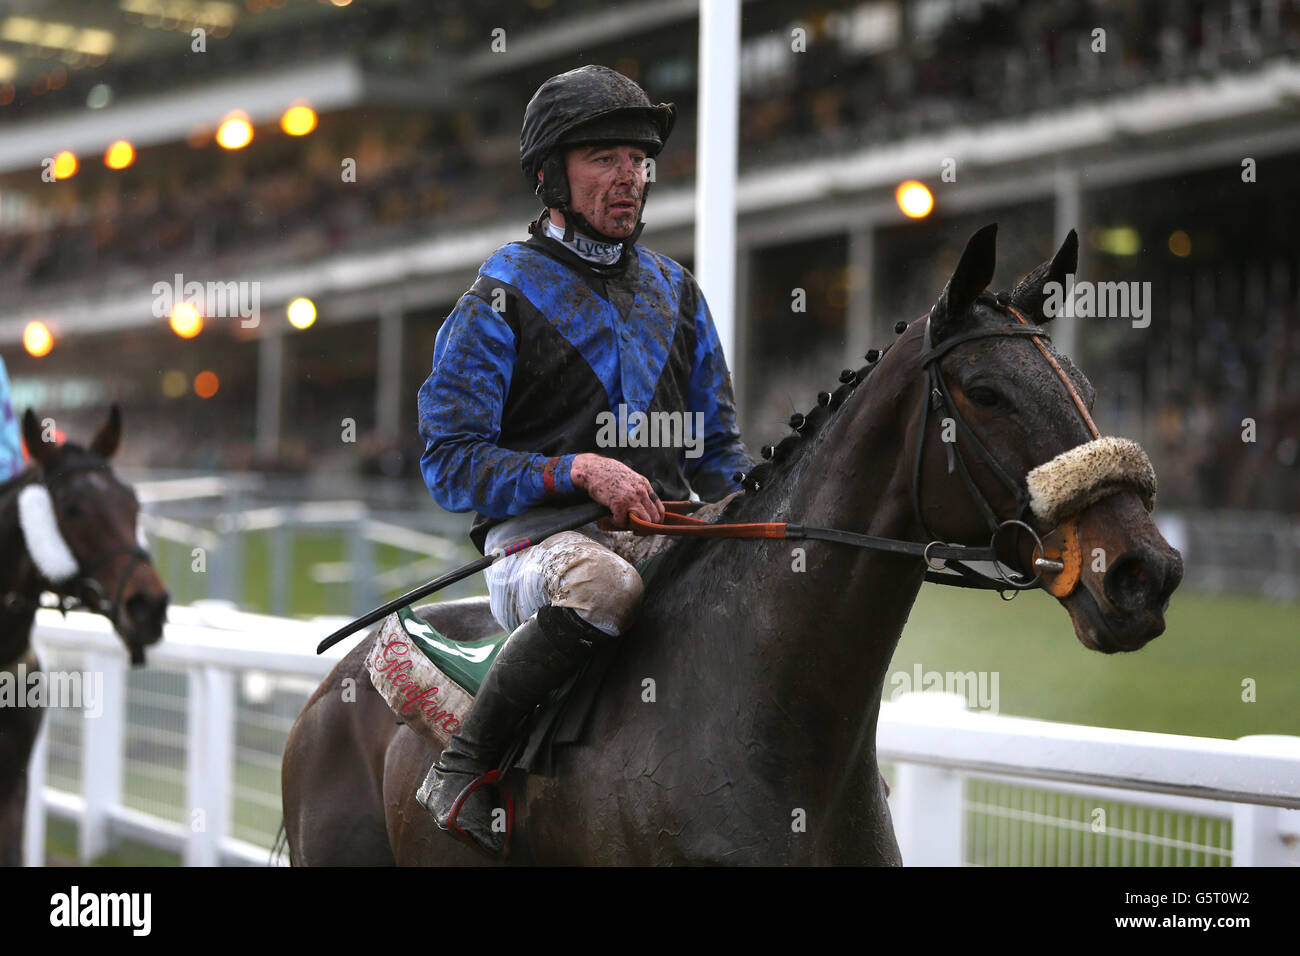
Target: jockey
552 382
11 442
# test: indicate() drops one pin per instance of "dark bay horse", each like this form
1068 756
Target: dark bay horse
768 657
86 551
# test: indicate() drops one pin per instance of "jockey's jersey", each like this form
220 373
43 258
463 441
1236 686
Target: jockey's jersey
548 356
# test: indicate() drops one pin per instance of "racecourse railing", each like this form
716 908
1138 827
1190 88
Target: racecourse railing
183 755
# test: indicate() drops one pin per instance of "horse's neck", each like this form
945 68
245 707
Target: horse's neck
835 625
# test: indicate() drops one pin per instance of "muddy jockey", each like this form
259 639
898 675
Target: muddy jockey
558 336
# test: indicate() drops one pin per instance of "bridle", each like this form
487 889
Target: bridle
939 400
1062 563
69 591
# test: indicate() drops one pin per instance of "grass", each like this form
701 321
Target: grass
1187 681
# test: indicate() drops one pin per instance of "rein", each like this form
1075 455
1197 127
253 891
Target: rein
1063 566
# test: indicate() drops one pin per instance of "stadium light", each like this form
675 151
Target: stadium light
37 339
206 384
186 320
119 155
175 383
65 164
301 312
235 131
914 199
298 120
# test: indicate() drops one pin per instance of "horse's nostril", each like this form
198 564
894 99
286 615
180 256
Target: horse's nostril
147 611
1131 583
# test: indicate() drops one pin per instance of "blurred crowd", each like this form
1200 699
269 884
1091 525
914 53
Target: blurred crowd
428 174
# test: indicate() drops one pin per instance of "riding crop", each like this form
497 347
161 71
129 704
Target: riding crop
576 518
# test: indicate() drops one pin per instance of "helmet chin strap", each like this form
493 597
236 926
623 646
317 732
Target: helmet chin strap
556 195
572 216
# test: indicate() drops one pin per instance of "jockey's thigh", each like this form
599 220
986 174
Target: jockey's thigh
567 569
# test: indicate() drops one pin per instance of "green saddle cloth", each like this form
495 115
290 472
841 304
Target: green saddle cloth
559 721
465 662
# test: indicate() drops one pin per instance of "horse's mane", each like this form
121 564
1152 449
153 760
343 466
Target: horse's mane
785 459
766 483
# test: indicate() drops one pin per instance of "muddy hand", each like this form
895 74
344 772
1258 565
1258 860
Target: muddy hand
617 487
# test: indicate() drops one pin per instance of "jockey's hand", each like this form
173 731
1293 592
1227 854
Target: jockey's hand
617 487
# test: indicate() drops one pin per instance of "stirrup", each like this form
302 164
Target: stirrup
491 778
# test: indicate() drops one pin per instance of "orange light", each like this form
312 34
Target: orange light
235 131
186 320
1180 244
914 199
65 164
37 339
298 120
206 384
119 155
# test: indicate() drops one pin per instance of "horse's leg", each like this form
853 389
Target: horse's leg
18 728
332 772
415 838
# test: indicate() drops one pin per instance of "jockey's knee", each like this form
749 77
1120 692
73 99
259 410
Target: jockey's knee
602 588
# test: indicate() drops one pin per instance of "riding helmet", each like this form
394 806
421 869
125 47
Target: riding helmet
589 105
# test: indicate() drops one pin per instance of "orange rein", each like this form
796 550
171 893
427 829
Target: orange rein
677 522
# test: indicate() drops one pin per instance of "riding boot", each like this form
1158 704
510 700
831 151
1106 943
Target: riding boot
540 654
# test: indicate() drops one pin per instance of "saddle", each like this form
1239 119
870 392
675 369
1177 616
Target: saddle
429 662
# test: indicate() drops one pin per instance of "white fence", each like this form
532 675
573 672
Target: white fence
184 756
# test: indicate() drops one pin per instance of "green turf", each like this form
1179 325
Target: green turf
1187 681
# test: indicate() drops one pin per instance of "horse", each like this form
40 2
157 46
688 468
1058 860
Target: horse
768 661
68 526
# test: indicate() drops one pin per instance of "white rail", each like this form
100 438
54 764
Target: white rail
933 742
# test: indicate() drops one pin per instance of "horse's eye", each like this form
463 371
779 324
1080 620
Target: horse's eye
74 511
983 396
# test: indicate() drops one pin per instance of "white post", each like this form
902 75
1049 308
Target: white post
34 815
862 329
101 756
1266 836
388 376
926 802
270 393
211 712
715 165
1068 215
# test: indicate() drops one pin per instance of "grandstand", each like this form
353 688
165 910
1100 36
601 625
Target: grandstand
1164 131
1140 147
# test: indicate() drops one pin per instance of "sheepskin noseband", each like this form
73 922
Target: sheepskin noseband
1084 475
50 553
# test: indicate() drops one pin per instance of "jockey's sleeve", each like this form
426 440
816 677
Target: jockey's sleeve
460 407
11 449
710 392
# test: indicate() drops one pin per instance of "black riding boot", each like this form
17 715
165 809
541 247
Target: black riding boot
541 653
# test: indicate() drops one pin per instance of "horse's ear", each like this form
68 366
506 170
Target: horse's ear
972 276
1029 296
38 450
109 435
